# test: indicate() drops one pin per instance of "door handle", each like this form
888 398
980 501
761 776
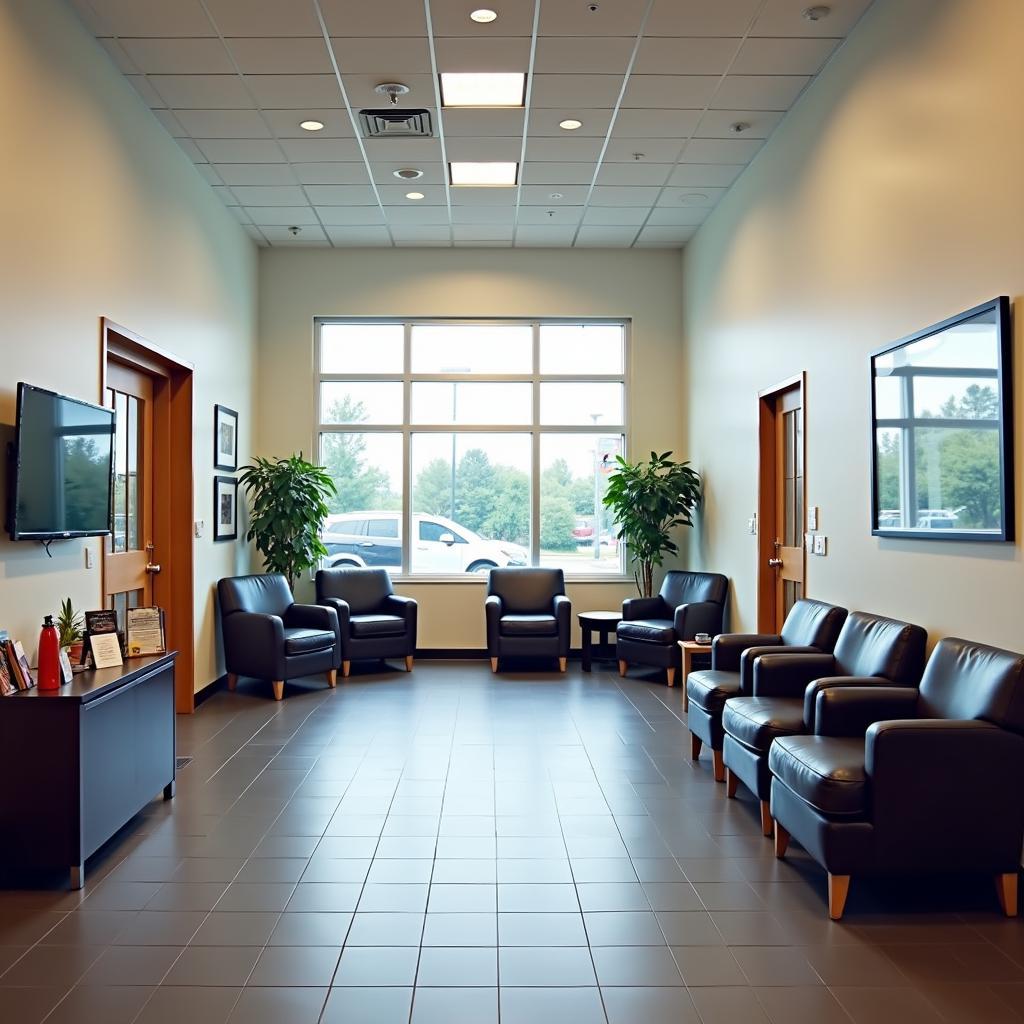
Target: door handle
775 563
152 569
367 544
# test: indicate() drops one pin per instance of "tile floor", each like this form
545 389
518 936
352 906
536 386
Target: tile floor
453 847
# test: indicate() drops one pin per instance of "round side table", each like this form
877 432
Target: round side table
601 623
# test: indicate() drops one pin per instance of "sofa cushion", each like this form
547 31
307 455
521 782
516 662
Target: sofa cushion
529 625
710 689
825 771
654 631
377 625
303 641
756 721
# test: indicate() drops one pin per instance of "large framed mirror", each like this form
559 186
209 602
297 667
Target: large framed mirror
942 430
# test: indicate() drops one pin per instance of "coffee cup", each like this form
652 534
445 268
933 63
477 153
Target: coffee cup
702 638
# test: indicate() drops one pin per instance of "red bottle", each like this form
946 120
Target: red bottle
49 656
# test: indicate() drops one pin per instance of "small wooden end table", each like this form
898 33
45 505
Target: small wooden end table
689 648
601 623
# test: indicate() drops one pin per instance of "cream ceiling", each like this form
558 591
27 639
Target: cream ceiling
656 83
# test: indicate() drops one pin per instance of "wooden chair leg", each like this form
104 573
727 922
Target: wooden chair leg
332 678
408 663
278 685
670 676
346 667
232 681
563 664
718 763
686 698
494 664
1006 890
623 667
732 783
838 888
781 841
766 818
695 744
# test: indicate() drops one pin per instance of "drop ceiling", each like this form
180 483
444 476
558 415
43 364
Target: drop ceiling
657 85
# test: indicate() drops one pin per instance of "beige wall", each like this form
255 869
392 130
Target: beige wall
105 216
297 285
890 198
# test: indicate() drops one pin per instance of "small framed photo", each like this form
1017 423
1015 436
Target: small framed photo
225 438
225 508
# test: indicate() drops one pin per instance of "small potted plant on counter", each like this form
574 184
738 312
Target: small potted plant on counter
69 629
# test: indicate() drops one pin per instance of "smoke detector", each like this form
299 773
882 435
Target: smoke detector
408 173
739 127
392 90
295 231
818 13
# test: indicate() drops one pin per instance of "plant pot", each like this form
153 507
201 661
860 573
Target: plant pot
75 652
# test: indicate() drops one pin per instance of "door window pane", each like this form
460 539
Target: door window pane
583 403
364 526
471 492
132 478
362 348
118 540
361 402
470 402
581 348
472 348
577 533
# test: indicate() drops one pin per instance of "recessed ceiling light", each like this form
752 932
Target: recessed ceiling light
484 16
570 124
693 197
473 89
488 175
312 126
408 173
556 195
413 195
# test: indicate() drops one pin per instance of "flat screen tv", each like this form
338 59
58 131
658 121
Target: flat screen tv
62 477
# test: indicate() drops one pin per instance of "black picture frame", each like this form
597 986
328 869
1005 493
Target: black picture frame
996 312
225 517
225 438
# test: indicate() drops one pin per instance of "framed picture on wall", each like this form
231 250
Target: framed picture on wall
225 438
225 508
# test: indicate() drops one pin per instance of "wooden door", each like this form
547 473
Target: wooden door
130 560
781 503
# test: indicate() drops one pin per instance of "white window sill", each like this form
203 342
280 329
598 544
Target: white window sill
478 579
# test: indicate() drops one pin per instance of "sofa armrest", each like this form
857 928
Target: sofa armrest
563 616
698 617
726 648
787 675
492 614
644 608
344 612
254 645
406 607
853 704
748 659
312 616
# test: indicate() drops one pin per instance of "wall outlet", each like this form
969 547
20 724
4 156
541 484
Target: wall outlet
199 527
812 517
90 558
752 525
820 544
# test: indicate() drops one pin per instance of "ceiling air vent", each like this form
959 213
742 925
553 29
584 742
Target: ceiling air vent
402 124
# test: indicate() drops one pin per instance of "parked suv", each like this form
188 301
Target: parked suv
439 544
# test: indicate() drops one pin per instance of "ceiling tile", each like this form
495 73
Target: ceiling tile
209 174
281 56
653 233
359 236
192 151
556 175
282 215
331 216
385 57
421 233
360 89
310 234
317 150
784 18
656 124
341 195
145 89
461 122
483 215
223 124
464 195
241 151
540 195
116 53
567 149
619 195
482 232
291 91
411 152
171 123
178 56
546 121
572 18
484 149
149 17
556 55
555 214
255 174
715 123
575 90
269 195
641 173
663 55
663 151
626 216
602 236
783 56
286 123
451 18
201 92
678 215
433 195
701 17
351 173
705 197
721 151
496 54
557 237
671 91
706 175
767 92
417 213
245 18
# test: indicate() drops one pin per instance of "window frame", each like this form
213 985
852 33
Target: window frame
535 429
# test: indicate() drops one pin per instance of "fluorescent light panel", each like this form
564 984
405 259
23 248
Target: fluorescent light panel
493 174
473 89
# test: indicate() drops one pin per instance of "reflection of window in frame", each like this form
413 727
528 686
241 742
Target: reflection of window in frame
904 418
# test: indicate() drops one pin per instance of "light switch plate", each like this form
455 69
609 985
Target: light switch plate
820 544
199 527
752 525
812 517
90 559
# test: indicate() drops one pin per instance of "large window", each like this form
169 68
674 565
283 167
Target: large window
458 446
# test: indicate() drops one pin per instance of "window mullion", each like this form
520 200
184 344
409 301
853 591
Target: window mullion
535 454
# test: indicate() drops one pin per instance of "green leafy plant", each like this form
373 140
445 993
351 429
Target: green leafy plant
69 624
288 508
648 500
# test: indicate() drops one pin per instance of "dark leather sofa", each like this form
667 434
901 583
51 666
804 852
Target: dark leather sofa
528 615
871 650
374 622
269 636
811 627
651 627
898 780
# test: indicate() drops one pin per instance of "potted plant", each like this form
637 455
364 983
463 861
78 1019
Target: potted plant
288 509
648 500
69 630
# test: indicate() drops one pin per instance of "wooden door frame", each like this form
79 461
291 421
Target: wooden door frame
766 497
173 588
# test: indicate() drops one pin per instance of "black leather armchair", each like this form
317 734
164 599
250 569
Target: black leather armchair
871 651
374 622
269 636
933 785
528 615
811 627
651 627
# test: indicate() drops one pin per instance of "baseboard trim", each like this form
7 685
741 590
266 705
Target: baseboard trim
465 653
203 695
